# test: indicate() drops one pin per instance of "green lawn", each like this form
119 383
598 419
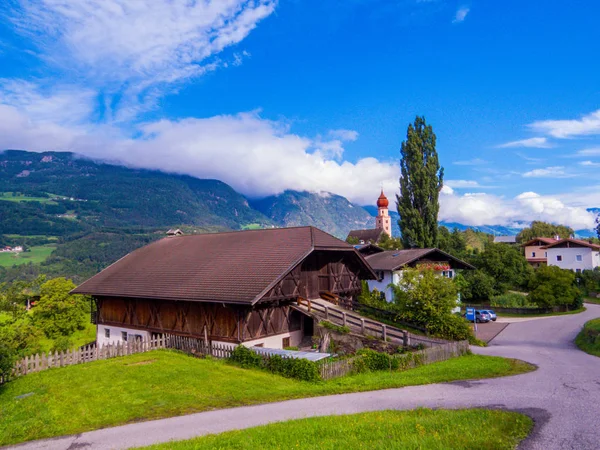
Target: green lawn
418 429
575 311
595 301
36 255
163 384
8 196
78 338
588 339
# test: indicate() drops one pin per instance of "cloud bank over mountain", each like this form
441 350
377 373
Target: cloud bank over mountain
109 63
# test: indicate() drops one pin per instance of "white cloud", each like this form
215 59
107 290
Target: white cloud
470 162
62 104
136 50
461 14
589 164
529 159
548 172
589 152
344 135
255 156
536 142
589 124
485 209
457 184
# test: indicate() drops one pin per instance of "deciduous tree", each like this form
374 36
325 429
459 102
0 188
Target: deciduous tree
553 286
420 184
58 313
544 229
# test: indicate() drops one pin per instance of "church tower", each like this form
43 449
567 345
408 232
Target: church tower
383 219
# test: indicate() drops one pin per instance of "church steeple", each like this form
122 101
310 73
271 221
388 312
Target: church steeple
383 219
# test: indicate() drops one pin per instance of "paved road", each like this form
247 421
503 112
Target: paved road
563 396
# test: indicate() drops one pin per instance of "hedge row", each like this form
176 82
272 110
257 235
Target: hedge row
301 369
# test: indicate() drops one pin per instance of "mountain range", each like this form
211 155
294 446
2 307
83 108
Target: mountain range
60 193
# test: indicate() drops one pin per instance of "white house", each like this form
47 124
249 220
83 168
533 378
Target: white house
389 264
573 254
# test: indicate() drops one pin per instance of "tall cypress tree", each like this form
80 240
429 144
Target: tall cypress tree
420 185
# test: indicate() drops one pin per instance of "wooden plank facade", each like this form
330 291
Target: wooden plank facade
216 321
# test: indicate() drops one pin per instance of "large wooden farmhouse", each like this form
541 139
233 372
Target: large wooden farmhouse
236 287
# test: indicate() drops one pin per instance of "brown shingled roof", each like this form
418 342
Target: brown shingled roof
371 235
391 260
543 240
576 242
233 267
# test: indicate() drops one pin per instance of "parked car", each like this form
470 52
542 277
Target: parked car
491 313
482 316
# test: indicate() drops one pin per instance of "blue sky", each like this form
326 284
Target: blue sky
272 95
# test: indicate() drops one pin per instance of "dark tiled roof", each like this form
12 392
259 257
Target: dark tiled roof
365 236
539 241
573 242
234 267
368 249
395 259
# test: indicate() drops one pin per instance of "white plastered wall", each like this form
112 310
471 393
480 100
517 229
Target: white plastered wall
116 334
569 258
275 341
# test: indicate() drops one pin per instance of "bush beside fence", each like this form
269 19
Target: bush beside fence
429 355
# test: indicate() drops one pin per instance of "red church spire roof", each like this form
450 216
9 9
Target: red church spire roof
382 201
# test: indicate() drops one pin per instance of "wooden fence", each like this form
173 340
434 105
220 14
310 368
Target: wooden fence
88 353
430 355
370 327
91 352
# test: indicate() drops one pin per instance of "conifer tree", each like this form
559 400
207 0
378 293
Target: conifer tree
420 185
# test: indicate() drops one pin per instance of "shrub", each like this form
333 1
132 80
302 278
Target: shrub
375 361
421 296
300 369
512 300
7 361
62 344
245 357
333 327
476 285
450 327
553 286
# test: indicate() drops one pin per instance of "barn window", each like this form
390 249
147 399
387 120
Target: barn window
559 257
285 342
579 258
124 336
533 254
107 333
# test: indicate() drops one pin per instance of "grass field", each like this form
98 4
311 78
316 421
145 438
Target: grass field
8 196
36 255
163 384
575 311
78 338
418 429
588 339
595 301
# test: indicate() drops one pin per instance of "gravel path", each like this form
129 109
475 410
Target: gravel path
563 396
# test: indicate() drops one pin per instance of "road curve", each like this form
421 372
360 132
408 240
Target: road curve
563 396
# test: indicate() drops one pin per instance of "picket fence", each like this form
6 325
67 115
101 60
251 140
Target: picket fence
92 352
429 355
197 347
